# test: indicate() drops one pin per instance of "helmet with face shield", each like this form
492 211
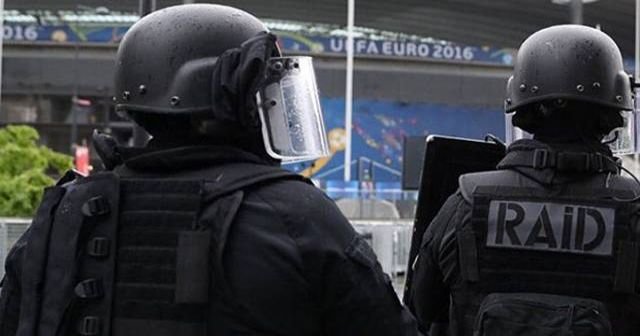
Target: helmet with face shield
199 70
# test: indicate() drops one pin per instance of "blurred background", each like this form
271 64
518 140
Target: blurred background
420 67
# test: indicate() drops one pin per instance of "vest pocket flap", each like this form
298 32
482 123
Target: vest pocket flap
532 314
494 326
192 267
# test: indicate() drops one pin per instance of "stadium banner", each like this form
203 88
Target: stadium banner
63 33
438 51
290 42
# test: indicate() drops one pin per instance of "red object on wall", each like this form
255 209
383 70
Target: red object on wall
82 160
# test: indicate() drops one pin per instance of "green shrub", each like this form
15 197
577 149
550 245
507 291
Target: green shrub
24 168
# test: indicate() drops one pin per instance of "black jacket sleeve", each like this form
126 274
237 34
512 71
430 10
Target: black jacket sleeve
10 295
436 263
360 299
353 295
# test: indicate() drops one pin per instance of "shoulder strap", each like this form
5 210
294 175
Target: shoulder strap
506 182
35 259
67 211
565 161
238 176
36 253
226 194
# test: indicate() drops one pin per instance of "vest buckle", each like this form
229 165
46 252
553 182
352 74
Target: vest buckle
540 159
95 206
98 247
89 289
89 326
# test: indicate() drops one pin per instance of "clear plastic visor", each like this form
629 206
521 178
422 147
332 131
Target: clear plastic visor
621 140
289 108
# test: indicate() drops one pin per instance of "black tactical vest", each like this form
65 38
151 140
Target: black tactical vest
133 256
578 242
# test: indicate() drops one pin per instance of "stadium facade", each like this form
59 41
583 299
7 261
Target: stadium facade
58 66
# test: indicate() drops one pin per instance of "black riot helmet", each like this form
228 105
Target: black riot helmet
165 60
569 62
214 74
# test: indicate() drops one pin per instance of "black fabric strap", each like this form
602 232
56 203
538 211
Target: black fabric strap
625 280
468 255
598 195
237 181
223 214
565 161
468 237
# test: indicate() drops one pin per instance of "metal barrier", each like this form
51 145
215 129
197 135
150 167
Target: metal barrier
10 230
361 200
390 240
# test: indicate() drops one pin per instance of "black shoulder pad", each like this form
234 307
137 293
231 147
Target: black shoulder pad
470 182
467 184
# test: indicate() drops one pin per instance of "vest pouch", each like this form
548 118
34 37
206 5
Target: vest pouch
192 267
531 314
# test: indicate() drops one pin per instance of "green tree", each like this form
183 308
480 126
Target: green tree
24 169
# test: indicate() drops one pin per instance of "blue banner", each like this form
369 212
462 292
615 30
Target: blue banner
290 42
403 49
379 128
63 33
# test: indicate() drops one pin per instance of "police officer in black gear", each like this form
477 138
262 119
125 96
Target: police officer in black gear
548 243
200 232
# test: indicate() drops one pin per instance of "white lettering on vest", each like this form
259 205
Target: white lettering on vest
551 227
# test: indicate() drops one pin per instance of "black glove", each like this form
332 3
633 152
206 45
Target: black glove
107 149
237 76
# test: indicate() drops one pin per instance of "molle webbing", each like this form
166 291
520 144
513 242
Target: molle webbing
127 257
91 310
158 227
